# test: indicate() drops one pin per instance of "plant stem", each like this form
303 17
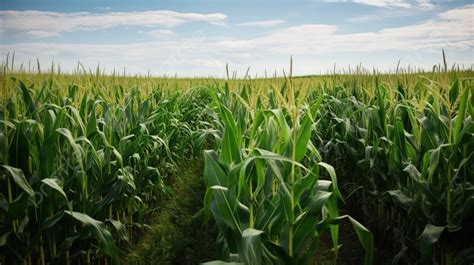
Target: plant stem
251 225
41 250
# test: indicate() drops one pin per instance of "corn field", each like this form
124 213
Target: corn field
87 157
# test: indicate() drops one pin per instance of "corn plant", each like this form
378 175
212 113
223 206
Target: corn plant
409 159
86 157
78 177
264 187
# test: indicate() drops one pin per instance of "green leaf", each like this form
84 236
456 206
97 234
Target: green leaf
91 124
429 237
460 116
307 220
220 262
364 235
465 256
51 221
304 133
20 180
230 145
19 149
226 203
366 239
400 197
332 174
434 160
120 228
54 184
3 239
213 172
102 234
286 201
285 132
27 99
251 247
76 148
19 206
76 118
454 91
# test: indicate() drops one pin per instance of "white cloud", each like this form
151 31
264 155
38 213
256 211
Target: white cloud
55 23
385 14
161 33
457 13
374 17
323 44
453 27
384 3
425 4
103 8
41 33
420 4
263 23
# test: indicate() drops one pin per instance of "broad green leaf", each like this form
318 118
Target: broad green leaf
19 179
454 91
302 138
429 237
251 246
366 238
399 197
332 174
27 99
286 202
53 183
460 115
76 148
120 228
226 205
213 172
99 230
91 124
230 145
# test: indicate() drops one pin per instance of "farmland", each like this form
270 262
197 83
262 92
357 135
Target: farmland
278 164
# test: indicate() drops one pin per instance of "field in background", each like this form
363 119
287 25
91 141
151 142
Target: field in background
87 159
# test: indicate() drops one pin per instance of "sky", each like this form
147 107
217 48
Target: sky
198 38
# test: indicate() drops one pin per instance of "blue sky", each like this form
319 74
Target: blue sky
198 38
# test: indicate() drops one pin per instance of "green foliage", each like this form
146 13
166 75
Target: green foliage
87 158
408 153
79 177
264 187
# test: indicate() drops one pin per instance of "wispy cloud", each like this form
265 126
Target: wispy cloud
41 33
263 23
420 4
54 23
103 8
451 30
161 33
384 14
